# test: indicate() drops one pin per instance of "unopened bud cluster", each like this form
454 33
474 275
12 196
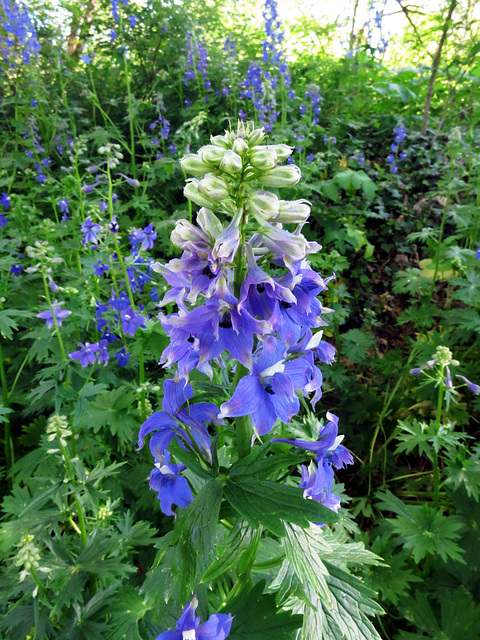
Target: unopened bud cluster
233 166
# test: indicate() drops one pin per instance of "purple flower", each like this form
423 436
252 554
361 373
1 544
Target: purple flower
169 423
59 313
5 200
99 268
86 58
113 225
86 353
16 269
63 205
131 321
474 388
165 478
34 103
310 157
3 220
113 35
133 20
242 114
102 355
188 103
188 627
122 357
477 254
90 230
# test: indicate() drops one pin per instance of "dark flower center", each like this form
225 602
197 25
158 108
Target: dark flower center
191 339
286 305
226 321
260 288
269 390
208 272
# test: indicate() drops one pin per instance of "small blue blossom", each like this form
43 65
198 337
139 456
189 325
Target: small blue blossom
131 321
122 357
133 20
16 269
188 627
86 58
63 205
90 230
86 353
3 220
59 313
99 268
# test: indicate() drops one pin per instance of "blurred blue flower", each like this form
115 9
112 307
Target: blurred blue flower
86 58
122 357
16 269
63 205
60 314
217 626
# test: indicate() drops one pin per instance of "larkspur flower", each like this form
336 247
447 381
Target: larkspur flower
3 220
217 627
99 268
63 205
90 231
131 321
16 269
86 58
187 423
60 314
122 357
171 487
86 353
474 388
5 200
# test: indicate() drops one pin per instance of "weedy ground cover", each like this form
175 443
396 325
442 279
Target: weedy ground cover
239 317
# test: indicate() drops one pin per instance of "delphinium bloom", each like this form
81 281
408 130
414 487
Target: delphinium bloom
21 41
266 320
394 157
442 361
217 627
90 231
317 484
86 353
5 200
60 314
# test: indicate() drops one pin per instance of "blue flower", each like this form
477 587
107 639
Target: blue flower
99 268
217 626
122 357
90 230
133 20
131 321
86 58
63 205
16 269
188 423
474 388
172 488
86 353
59 313
5 200
3 220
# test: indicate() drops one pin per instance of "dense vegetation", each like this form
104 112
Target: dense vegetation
126 302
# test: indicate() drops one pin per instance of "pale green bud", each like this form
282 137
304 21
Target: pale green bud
231 163
211 154
191 191
240 147
283 151
221 141
213 187
293 211
262 158
281 176
193 164
209 222
255 137
264 204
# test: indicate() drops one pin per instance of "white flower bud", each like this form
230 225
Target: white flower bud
209 222
231 163
264 204
285 176
193 164
213 187
283 151
293 211
211 154
191 191
220 141
262 158
240 147
255 137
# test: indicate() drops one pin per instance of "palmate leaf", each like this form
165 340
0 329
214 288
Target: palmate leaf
271 505
8 321
423 529
194 537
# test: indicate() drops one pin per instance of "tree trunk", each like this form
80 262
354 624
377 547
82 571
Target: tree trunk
435 64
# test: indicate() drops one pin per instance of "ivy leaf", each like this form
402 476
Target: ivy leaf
270 504
194 537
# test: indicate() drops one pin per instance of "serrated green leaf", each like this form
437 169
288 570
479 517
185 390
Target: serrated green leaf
271 505
241 544
194 537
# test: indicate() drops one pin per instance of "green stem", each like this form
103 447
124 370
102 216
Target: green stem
8 442
52 309
141 375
